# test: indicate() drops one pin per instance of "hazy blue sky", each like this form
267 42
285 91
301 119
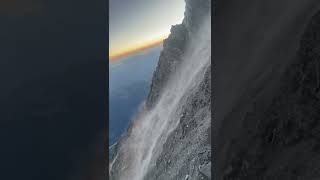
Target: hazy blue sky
135 22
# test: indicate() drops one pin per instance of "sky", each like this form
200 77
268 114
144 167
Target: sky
139 24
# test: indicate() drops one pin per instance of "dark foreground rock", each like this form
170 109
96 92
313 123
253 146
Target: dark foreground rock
271 130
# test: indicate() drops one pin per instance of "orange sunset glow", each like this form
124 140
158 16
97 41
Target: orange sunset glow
113 56
136 25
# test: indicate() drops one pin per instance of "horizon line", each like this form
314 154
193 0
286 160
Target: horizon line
137 49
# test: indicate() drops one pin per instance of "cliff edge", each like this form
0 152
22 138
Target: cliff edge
186 152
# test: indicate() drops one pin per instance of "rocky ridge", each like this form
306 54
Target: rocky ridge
174 46
187 152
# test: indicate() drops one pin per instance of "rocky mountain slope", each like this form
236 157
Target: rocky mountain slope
186 153
268 100
175 45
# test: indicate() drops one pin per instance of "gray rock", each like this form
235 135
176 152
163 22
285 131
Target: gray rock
272 131
189 145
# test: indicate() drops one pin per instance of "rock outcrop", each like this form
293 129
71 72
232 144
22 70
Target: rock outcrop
174 46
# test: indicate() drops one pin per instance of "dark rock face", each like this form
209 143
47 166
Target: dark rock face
278 137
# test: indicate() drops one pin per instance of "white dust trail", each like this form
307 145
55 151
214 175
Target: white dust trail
151 128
